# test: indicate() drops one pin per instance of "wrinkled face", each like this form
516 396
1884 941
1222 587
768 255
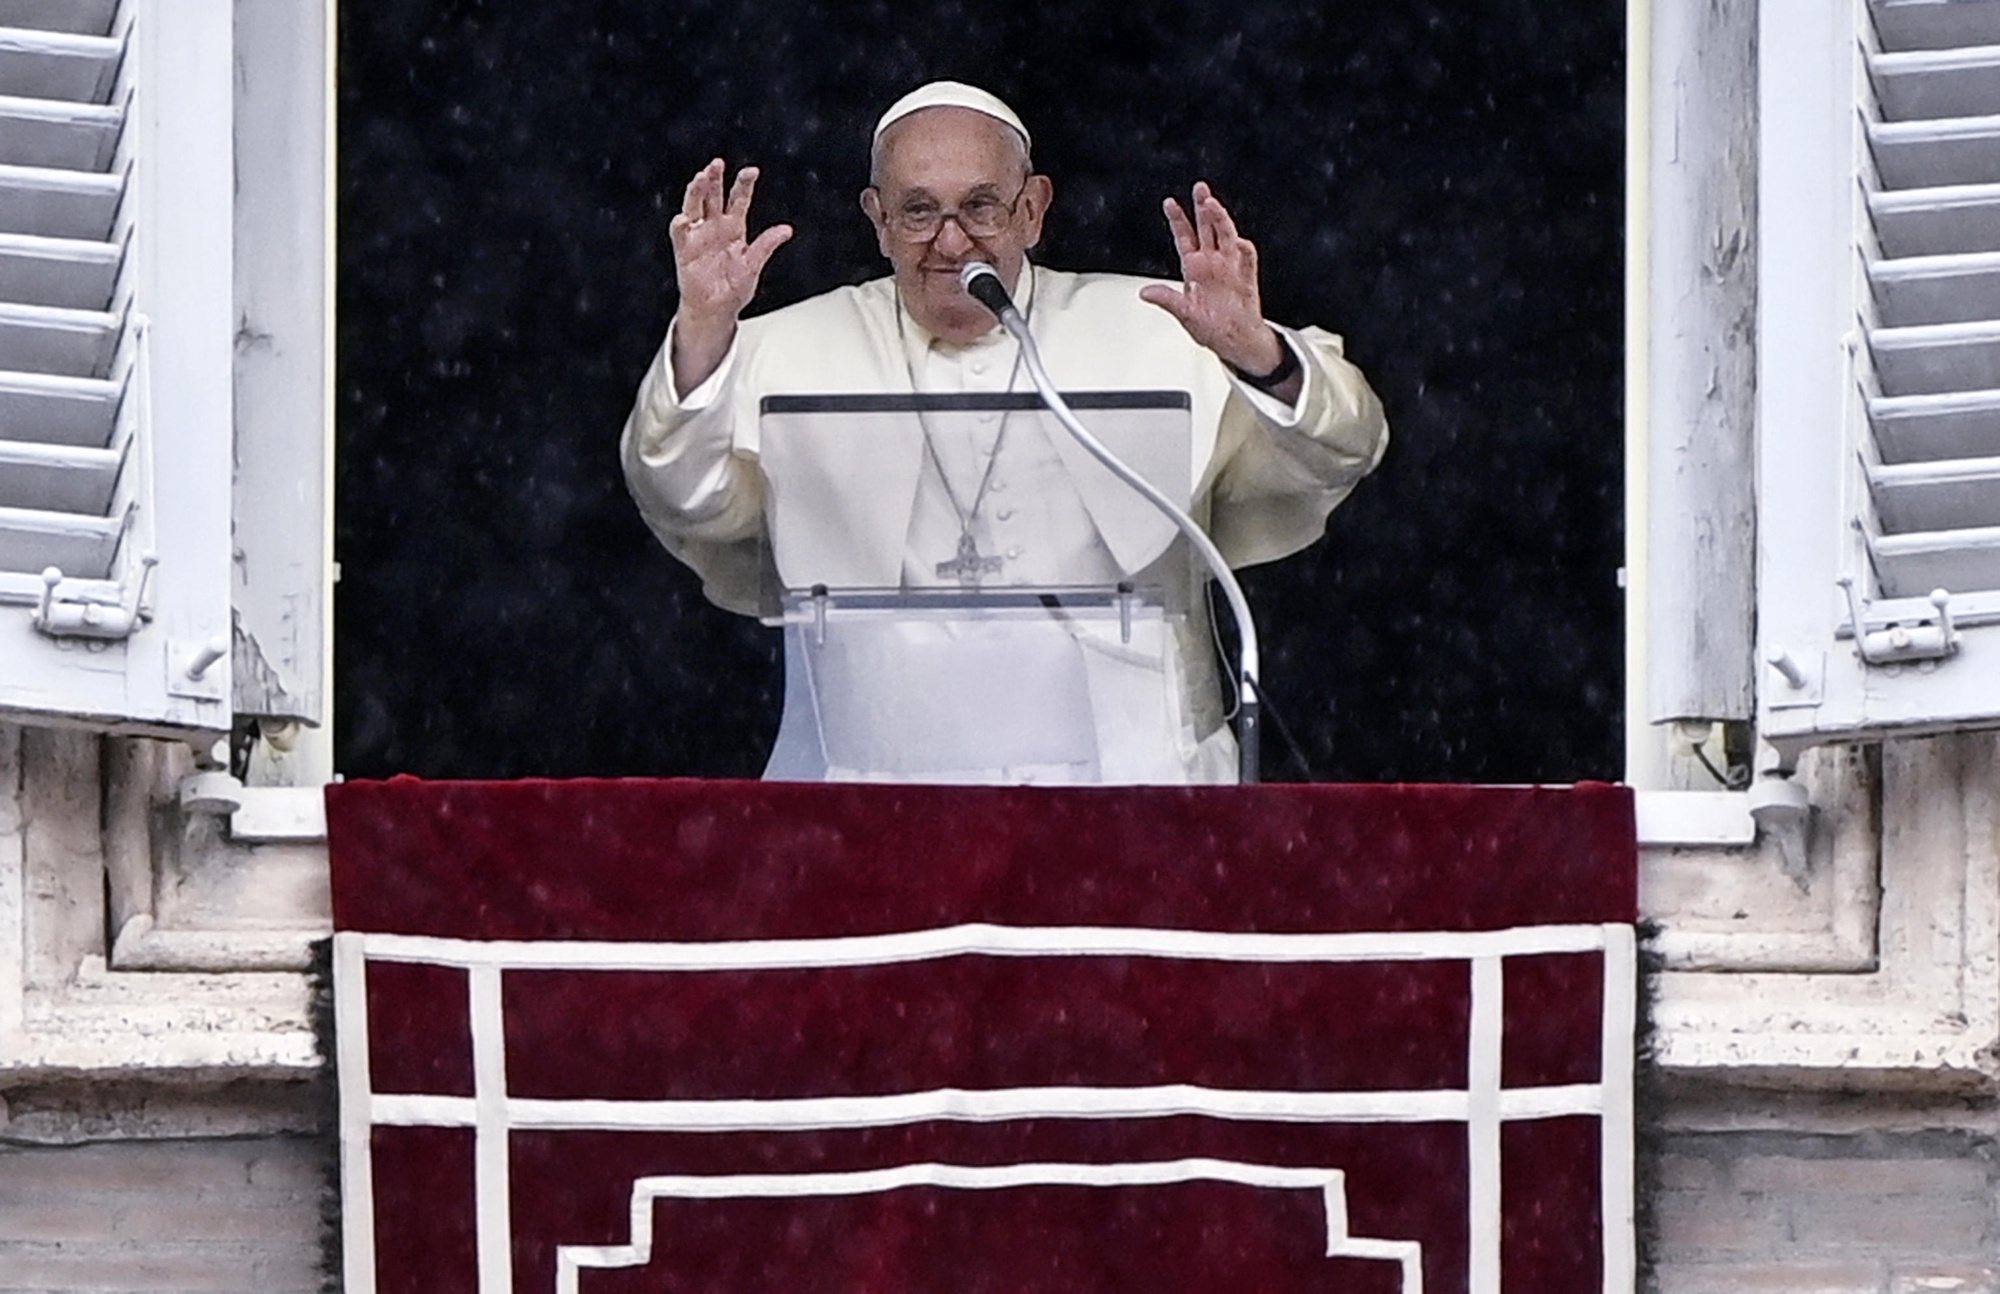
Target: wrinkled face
948 160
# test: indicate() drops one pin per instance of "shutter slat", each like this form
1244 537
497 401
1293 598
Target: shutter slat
1936 153
44 339
57 478
1933 469
1927 428
115 353
56 203
58 410
58 135
1936 222
1937 357
1937 24
57 65
1910 566
59 273
32 540
82 17
68 272
1960 288
1956 494
1938 82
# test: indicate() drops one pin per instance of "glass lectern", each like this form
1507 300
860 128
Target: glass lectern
968 596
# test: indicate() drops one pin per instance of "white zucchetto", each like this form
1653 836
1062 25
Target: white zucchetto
951 94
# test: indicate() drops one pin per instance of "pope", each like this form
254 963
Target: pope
1282 424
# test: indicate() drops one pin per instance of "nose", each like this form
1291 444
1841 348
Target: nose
952 240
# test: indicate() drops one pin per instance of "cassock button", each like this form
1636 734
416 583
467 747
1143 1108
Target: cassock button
1013 552
998 486
1005 514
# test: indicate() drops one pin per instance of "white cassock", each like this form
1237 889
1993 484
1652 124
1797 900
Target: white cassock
1265 477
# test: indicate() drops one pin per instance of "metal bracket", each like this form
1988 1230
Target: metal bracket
1923 641
58 617
1803 680
191 669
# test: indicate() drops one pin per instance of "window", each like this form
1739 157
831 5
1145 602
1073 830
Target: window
163 361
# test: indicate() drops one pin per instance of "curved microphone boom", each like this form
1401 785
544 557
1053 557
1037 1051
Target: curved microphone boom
982 282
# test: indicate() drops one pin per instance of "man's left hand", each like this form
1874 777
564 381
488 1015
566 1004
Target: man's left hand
1218 302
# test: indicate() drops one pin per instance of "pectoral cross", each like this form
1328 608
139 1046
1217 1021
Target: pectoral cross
969 565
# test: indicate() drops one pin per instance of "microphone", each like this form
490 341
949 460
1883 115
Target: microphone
982 283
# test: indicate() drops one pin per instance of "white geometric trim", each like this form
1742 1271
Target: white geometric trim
357 1142
1484 1105
989 1105
982 939
1331 1183
1617 1072
491 1172
1482 1127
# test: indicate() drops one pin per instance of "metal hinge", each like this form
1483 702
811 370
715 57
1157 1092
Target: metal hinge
59 617
1900 643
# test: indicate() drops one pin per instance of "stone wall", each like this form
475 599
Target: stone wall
213 1215
1872 1212
97 1197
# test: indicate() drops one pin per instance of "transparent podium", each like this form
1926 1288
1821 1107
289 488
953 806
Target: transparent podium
968 596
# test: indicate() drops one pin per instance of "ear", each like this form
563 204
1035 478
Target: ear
1035 200
871 204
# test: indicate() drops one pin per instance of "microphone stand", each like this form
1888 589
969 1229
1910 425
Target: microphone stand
1248 705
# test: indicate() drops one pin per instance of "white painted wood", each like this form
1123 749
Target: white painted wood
62 478
1955 82
58 203
60 410
116 351
1936 152
48 339
84 17
1937 24
284 411
1702 364
40 64
1879 374
1929 428
75 273
1957 494
33 539
52 133
1958 288
1931 222
1939 559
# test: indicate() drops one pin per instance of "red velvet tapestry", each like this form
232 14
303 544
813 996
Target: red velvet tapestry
744 1038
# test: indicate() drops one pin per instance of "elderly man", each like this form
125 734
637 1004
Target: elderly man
1282 424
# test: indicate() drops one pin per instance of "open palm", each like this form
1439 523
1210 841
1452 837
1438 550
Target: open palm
1218 301
716 264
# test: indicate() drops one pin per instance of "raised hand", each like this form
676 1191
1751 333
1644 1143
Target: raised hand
716 268
1218 301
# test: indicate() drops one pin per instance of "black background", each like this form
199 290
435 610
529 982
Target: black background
1439 182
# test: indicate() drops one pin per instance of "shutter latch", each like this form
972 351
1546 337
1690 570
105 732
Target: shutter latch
1898 643
76 618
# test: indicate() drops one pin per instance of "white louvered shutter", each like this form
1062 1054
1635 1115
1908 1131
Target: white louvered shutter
115 354
1879 367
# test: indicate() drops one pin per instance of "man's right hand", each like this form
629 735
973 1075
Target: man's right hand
716 268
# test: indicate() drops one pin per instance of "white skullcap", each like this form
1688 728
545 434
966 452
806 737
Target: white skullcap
950 94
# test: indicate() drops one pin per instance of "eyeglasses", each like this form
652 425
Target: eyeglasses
980 216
